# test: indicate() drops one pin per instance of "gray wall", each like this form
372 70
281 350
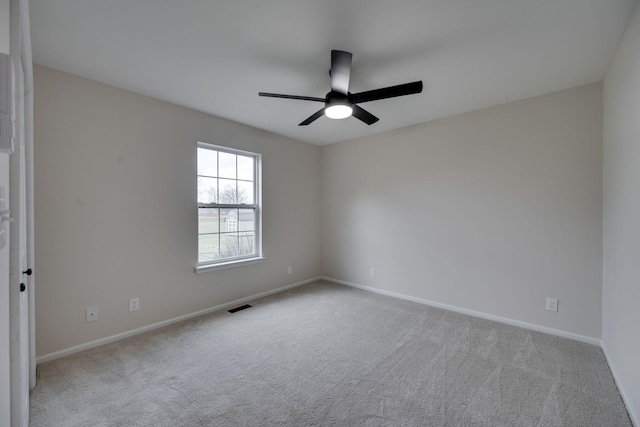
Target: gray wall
491 211
116 216
621 263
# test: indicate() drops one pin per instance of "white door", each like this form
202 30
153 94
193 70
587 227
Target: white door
5 357
20 271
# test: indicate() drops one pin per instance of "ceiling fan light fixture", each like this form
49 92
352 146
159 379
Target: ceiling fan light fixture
338 111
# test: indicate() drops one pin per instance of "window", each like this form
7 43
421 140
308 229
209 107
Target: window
228 207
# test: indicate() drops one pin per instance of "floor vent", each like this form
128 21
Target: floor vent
242 307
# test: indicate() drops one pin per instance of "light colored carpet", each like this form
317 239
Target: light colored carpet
328 355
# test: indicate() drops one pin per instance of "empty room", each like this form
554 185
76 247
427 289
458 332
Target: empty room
341 213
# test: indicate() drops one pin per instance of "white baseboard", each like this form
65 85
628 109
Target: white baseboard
534 327
635 419
85 346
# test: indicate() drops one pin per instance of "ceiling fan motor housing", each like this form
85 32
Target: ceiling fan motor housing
337 98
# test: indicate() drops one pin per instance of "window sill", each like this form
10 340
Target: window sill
230 264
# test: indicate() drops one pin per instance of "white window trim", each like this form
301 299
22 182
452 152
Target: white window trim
258 256
230 264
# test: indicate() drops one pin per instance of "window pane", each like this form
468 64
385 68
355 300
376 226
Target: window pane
208 247
245 168
207 190
245 192
207 162
228 245
246 243
228 192
227 165
246 220
208 221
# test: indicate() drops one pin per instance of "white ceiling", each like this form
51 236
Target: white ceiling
216 55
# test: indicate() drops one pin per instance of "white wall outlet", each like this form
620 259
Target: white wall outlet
372 272
290 270
134 304
92 313
552 304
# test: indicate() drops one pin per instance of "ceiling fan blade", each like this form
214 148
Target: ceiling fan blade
279 95
387 92
340 71
315 116
362 114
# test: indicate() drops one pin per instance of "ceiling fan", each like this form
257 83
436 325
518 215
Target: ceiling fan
339 103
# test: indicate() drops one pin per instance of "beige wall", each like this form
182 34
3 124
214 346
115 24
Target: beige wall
621 264
116 217
491 211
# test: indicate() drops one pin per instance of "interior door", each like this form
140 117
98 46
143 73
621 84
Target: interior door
20 271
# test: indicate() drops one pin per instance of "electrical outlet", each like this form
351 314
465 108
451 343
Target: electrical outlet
372 272
92 313
134 304
290 270
552 304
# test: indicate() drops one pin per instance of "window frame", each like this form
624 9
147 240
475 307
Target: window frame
257 256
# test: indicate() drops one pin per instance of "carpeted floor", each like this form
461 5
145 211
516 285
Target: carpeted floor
329 355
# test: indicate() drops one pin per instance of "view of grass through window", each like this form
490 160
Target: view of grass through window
226 205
